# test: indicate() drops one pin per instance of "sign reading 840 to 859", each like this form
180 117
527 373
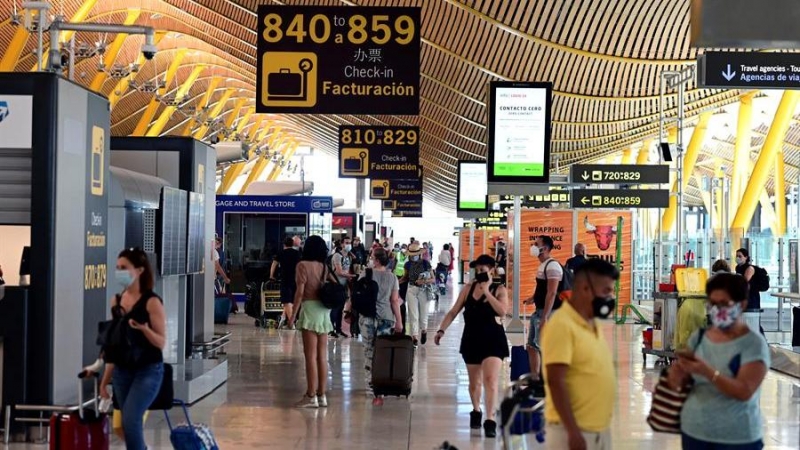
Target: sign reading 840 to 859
338 60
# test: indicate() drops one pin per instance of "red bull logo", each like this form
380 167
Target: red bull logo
603 234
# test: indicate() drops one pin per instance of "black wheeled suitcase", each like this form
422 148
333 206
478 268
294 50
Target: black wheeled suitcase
393 365
796 327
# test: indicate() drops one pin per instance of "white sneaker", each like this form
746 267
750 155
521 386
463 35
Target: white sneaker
307 402
322 401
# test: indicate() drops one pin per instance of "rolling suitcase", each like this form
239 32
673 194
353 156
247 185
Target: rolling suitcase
795 327
520 364
85 429
393 365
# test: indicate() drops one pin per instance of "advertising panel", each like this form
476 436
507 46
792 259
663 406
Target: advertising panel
472 188
16 121
519 132
337 60
478 241
600 232
379 152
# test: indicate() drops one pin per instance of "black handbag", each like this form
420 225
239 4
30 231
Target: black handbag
332 294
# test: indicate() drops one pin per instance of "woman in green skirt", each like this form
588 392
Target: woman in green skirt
313 319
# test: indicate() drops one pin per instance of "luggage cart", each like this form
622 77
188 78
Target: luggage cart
521 412
263 303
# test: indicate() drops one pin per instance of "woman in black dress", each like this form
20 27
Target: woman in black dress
483 344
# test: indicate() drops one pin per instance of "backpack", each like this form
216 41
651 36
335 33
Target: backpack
760 280
365 295
332 294
564 292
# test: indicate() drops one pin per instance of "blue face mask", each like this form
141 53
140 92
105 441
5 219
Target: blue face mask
124 278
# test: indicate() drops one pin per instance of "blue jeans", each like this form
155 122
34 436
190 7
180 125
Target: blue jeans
690 443
135 391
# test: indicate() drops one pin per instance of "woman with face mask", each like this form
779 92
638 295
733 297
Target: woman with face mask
136 374
483 343
723 369
744 267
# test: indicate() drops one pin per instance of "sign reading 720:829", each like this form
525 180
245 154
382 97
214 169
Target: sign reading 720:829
338 60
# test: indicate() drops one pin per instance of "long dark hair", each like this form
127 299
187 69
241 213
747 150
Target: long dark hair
138 258
745 253
315 249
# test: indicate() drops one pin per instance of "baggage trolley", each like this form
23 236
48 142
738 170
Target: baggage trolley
521 412
263 303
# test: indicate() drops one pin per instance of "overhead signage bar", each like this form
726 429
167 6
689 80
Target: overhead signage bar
379 152
472 190
748 70
337 60
401 205
519 137
620 198
407 213
396 190
618 174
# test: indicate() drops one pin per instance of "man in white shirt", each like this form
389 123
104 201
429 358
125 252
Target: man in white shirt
545 297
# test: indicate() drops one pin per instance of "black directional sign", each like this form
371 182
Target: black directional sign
749 70
620 198
619 174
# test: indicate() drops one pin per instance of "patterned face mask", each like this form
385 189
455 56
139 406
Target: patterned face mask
723 317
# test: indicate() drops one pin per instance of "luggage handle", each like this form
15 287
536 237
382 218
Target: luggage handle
182 404
81 377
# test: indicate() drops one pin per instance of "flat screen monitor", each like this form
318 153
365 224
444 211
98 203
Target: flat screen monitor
472 191
172 224
519 132
196 233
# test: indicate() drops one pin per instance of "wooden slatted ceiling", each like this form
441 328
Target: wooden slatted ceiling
604 57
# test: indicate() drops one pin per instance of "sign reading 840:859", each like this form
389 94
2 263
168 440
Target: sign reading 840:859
338 60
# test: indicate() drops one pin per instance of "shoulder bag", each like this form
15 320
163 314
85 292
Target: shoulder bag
332 294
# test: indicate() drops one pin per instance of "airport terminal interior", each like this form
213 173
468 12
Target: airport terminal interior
196 150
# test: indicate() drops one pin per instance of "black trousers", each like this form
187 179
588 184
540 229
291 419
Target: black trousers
336 319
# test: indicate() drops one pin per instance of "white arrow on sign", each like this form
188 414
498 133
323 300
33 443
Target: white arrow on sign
729 75
585 175
585 200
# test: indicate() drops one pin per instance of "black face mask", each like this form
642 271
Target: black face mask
602 307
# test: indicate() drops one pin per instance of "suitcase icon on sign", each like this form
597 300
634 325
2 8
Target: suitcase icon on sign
286 85
380 190
355 164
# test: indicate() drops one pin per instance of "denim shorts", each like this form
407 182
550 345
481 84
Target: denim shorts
533 330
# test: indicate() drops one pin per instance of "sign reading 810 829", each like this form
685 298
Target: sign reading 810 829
338 60
379 152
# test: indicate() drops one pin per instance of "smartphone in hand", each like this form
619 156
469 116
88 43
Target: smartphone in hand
685 354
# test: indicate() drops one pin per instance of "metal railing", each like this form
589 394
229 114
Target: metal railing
213 348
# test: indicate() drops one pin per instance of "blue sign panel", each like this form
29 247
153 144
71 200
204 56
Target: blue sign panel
267 204
749 70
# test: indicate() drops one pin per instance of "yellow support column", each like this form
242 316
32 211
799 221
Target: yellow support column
237 108
251 133
11 55
741 152
230 176
123 84
644 152
264 131
163 119
287 155
152 107
627 156
113 50
244 120
780 194
212 86
201 132
689 160
766 160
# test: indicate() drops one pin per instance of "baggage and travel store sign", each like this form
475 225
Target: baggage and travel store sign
396 189
338 60
379 152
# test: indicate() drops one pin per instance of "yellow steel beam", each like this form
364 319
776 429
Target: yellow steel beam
230 176
80 15
766 160
113 50
780 194
265 130
212 86
287 155
14 49
152 107
644 152
741 152
201 132
256 172
237 108
162 121
124 83
689 160
245 119
627 156
256 127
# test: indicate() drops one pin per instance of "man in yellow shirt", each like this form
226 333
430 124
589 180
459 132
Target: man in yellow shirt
579 370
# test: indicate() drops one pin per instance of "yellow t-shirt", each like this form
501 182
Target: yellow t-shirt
569 339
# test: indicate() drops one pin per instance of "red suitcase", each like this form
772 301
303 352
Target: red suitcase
85 429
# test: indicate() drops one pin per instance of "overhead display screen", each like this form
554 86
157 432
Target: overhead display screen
472 187
519 132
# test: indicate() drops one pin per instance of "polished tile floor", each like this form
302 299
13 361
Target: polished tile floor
254 409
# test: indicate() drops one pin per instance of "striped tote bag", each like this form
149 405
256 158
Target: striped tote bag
665 412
